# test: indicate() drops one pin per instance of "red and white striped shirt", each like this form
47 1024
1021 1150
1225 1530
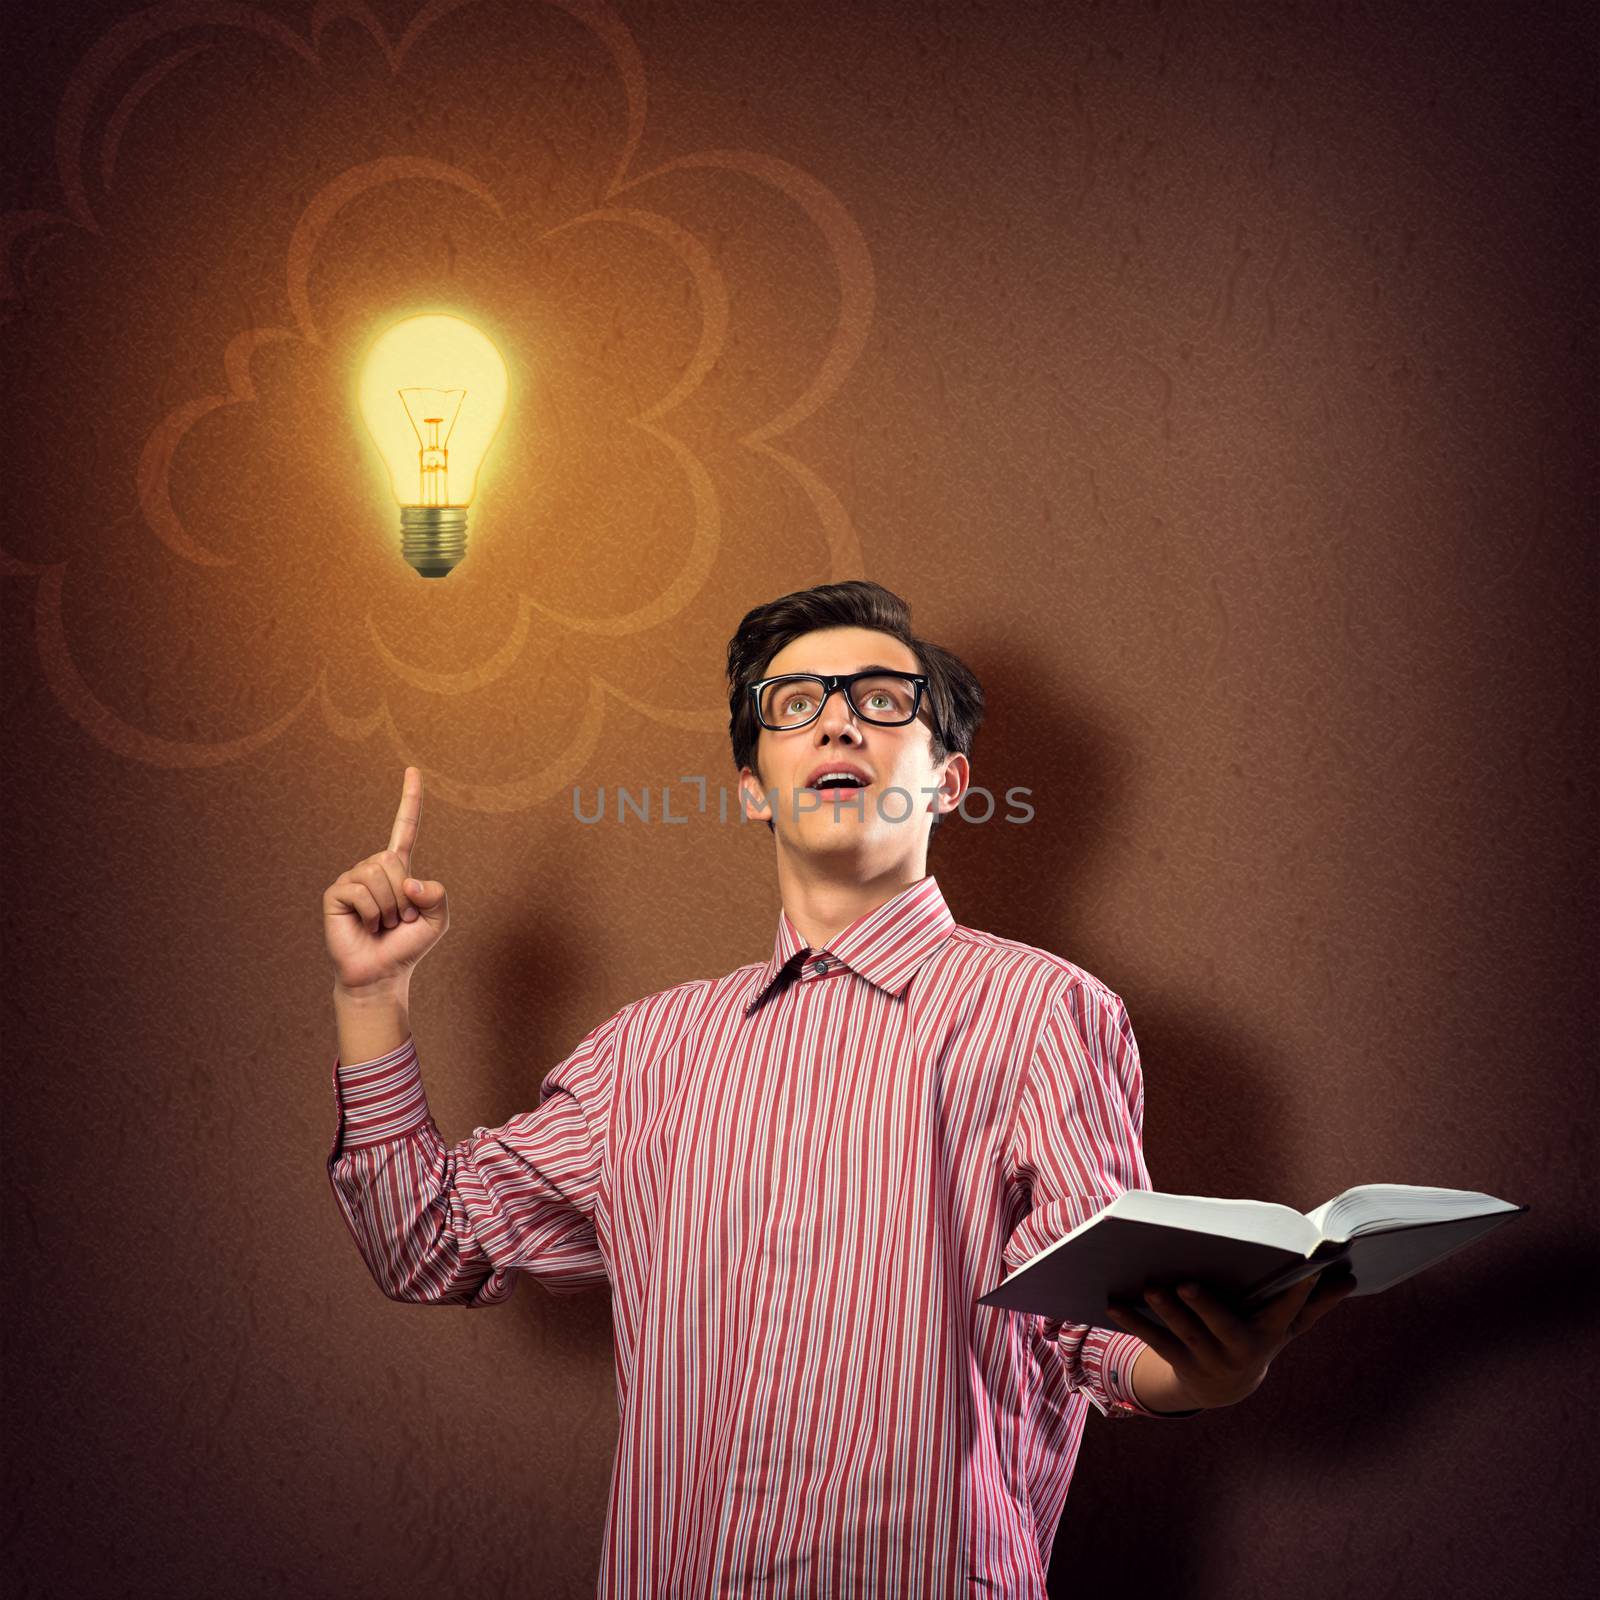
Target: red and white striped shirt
797 1180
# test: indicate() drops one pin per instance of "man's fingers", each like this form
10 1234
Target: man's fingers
1206 1312
1132 1320
1331 1289
409 816
1277 1315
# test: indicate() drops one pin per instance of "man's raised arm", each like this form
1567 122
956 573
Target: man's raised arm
435 1225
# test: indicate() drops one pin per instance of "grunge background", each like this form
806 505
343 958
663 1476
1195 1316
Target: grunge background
1218 379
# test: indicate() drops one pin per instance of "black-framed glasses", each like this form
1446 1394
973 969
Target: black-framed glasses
794 700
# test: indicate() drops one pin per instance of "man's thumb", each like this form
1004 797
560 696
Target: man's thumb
424 893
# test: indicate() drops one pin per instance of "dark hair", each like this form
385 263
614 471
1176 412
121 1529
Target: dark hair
953 699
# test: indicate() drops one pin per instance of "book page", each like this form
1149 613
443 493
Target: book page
1257 1221
1371 1207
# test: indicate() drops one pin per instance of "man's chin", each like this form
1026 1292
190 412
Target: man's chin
823 833
836 818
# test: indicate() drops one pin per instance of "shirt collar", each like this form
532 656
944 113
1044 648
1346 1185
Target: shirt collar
885 945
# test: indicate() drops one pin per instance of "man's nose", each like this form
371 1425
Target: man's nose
836 717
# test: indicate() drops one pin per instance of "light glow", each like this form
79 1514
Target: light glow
432 393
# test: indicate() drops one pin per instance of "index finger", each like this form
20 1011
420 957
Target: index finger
408 816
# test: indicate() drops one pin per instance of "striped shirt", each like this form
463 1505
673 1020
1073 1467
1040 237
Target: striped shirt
797 1180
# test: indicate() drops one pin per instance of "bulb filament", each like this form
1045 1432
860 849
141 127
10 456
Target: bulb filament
435 460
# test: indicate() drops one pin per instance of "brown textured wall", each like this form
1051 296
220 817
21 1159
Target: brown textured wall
1218 379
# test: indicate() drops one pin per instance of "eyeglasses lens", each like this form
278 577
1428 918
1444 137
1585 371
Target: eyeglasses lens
881 698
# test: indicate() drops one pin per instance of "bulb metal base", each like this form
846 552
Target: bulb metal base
433 538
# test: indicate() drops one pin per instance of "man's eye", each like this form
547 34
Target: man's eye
798 700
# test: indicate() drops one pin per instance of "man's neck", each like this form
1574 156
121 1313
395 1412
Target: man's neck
821 905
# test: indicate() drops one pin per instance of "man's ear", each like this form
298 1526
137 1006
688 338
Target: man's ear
752 797
954 782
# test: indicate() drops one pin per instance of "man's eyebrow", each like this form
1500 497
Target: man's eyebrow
871 666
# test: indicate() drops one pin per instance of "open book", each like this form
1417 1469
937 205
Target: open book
1243 1251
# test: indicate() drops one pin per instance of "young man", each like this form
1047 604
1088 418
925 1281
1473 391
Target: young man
798 1178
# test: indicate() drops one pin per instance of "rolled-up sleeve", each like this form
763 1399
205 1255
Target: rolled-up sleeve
1077 1143
438 1225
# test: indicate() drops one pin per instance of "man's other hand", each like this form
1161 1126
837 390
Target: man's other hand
1219 1356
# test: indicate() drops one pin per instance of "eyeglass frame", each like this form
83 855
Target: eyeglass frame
840 680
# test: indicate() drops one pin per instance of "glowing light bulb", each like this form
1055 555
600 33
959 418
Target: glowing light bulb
432 392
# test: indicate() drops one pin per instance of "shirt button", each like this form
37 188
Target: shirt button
822 963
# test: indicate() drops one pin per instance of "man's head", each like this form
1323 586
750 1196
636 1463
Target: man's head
843 628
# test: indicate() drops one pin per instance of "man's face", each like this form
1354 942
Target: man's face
870 818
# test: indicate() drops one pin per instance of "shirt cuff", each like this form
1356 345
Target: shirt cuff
1110 1355
379 1100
